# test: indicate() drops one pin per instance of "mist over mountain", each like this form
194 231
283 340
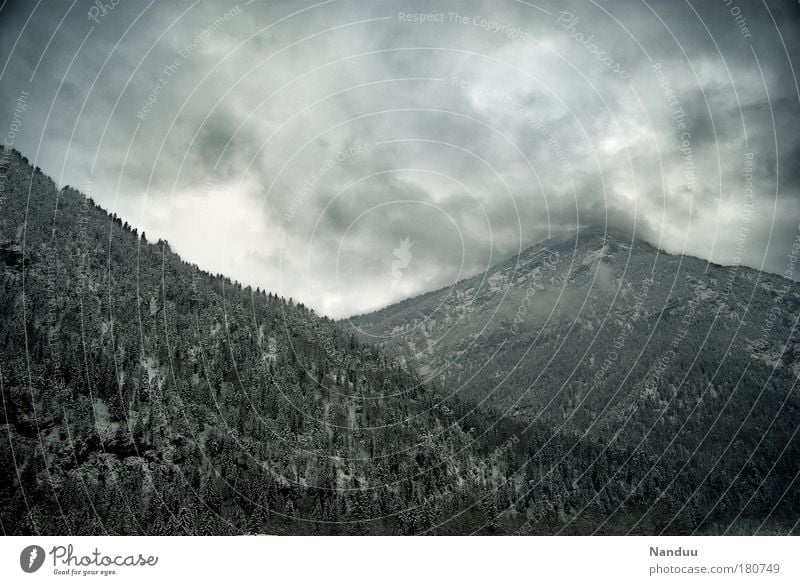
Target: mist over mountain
599 309
600 334
143 395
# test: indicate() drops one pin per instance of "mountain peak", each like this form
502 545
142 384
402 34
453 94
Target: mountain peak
598 233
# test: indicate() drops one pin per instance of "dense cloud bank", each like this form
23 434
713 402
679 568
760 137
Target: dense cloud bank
351 154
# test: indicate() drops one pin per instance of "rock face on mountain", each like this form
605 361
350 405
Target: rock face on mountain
142 395
601 334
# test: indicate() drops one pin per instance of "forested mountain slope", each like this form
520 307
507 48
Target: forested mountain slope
597 332
141 395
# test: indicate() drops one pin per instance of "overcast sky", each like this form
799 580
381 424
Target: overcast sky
350 154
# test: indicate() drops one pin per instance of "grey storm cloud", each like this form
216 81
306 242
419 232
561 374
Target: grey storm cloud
297 145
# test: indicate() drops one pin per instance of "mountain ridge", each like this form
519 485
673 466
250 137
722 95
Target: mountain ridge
617 340
570 235
141 395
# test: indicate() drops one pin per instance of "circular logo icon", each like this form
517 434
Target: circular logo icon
31 558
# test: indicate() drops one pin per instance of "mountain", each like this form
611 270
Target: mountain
600 334
143 395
